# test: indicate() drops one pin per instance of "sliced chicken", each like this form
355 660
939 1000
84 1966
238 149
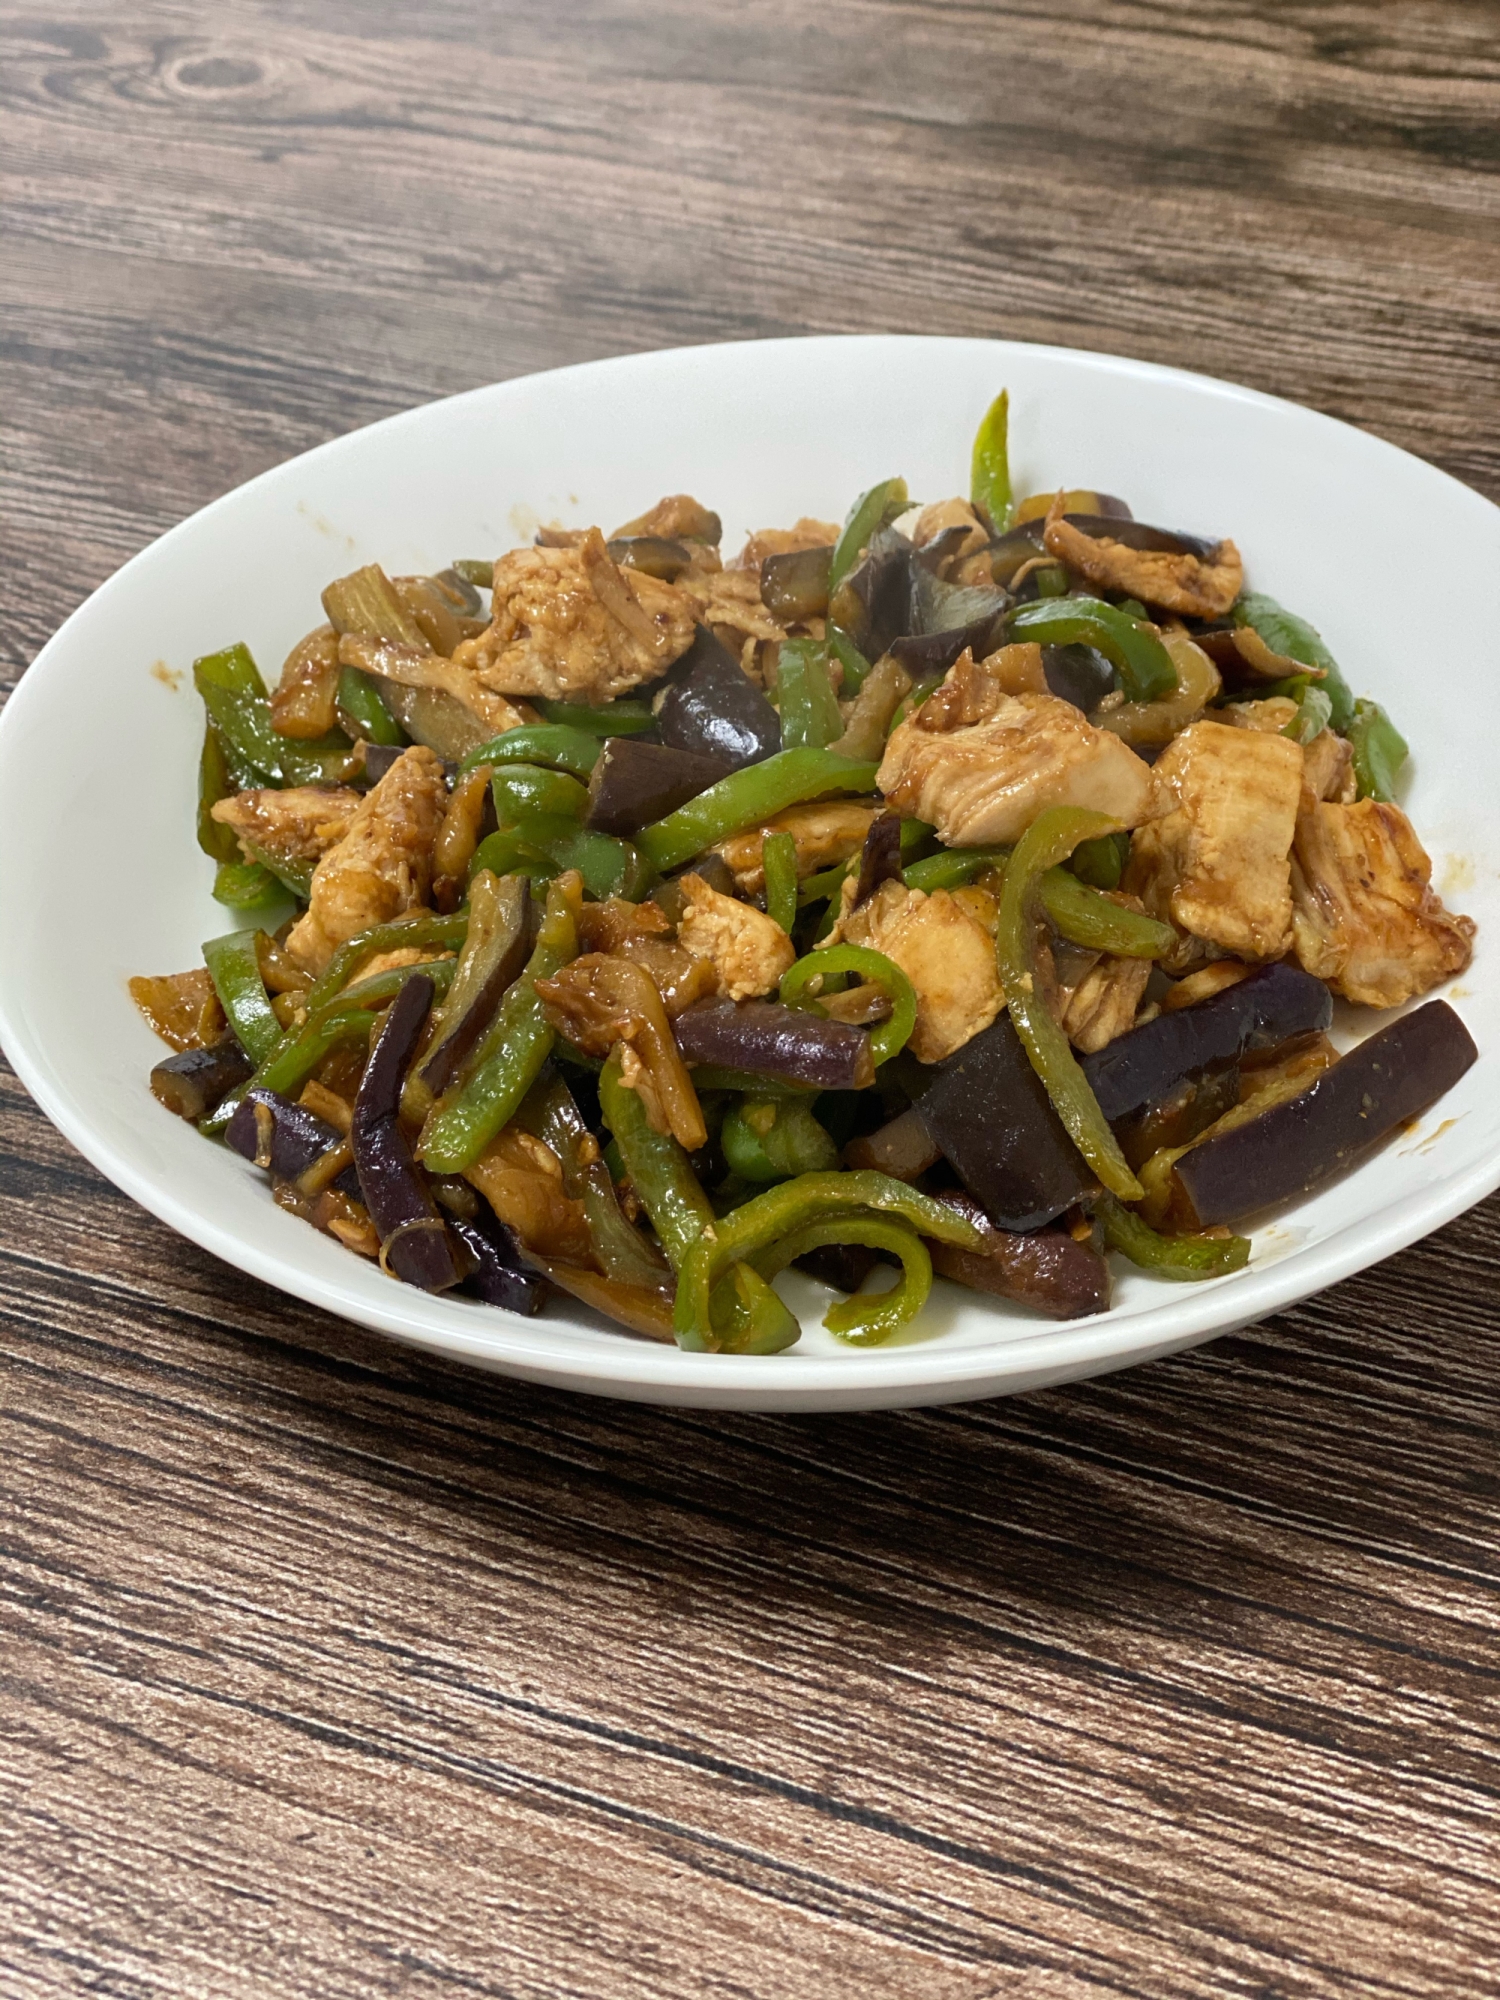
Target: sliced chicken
824 834
1328 769
1193 586
941 515
389 660
1104 1002
383 864
807 534
945 952
570 625
730 597
988 780
1365 916
749 951
299 824
1217 860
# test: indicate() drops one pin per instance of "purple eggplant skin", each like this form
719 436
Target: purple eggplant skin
653 555
498 1276
714 709
298 1137
989 1112
414 1243
1077 674
1176 1119
932 555
195 1081
1145 1065
506 950
1048 1270
902 1148
880 858
767 1039
635 784
794 587
935 652
1344 1114
1139 535
874 602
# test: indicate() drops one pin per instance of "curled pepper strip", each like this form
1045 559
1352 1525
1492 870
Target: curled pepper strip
1135 647
1049 839
659 1168
436 933
889 1037
864 1319
746 798
554 744
797 1204
1187 1257
1081 913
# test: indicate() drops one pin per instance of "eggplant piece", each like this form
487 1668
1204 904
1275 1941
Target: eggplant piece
903 1148
932 555
431 717
196 1081
714 709
880 857
640 1309
935 652
379 758
767 1039
794 587
1048 1270
1176 1119
284 1138
498 1274
1303 1142
494 952
943 619
414 1242
635 783
873 603
1147 1064
989 1113
652 555
1140 535
1078 674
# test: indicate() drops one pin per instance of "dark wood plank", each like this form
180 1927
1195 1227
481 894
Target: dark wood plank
329 1669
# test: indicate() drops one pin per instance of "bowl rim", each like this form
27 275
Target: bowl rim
644 1369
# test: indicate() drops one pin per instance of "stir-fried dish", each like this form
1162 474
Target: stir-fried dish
962 888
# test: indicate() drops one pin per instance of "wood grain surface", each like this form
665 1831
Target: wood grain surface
332 1671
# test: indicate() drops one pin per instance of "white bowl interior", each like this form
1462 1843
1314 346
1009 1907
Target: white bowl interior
100 876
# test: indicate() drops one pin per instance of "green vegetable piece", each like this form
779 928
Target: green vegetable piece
359 699
1379 751
746 797
516 1044
509 854
1312 717
953 866
234 969
1100 863
1186 1257
1284 632
779 859
428 933
615 718
750 1318
870 513
660 1171
816 968
215 782
856 667
523 790
294 876
366 603
475 570
235 697
770 1139
549 743
549 1111
867 1317
1135 649
1050 839
989 475
247 887
810 716
1087 916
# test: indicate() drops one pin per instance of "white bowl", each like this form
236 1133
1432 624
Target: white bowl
100 877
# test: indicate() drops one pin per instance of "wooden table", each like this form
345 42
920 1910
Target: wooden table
332 1671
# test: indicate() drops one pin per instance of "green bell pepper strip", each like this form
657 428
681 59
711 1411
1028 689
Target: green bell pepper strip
953 866
1080 913
294 876
235 696
746 797
518 1042
660 1171
1145 666
508 854
246 886
864 1319
549 743
778 856
215 782
1049 839
1379 751
550 1113
856 667
1186 1257
1312 717
427 933
749 1317
546 844
871 512
359 699
887 1038
1284 632
714 1076
797 1204
771 1139
615 718
235 971
1100 863
810 717
473 569
989 470
524 790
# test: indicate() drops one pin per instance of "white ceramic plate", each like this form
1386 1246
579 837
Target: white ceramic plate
100 876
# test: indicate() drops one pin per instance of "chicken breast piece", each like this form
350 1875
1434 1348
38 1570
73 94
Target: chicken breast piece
749 951
1328 769
940 515
945 952
571 625
1193 586
382 866
1365 916
824 834
989 780
807 534
299 824
1104 1002
1217 859
730 597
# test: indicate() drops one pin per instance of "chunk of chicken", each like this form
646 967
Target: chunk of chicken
807 534
1365 915
944 951
1104 1002
383 864
522 1180
1328 769
730 597
1217 860
824 834
1270 715
678 518
408 667
299 824
941 515
570 625
988 781
749 951
1193 586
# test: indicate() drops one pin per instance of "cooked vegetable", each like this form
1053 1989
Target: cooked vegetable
550 1112
749 796
414 1242
194 1082
810 717
989 470
1049 1270
1186 1256
660 1170
494 952
904 1148
774 1138
635 783
714 709
1143 662
779 862
556 745
765 1039
871 512
284 1138
794 587
495 1270
867 1317
1284 632
234 966
810 975
362 712
615 718
1379 751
